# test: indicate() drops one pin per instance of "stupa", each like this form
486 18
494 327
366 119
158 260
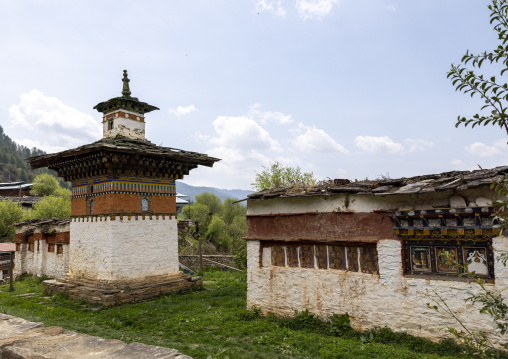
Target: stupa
123 231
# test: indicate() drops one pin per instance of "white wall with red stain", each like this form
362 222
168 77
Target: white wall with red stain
387 299
372 300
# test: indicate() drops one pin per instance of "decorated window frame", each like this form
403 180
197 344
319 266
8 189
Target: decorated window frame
445 243
449 258
146 204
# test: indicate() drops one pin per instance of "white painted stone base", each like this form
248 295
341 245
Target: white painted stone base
123 248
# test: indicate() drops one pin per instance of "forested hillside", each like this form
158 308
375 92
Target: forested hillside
13 166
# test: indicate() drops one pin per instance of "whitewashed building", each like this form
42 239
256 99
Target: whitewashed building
377 249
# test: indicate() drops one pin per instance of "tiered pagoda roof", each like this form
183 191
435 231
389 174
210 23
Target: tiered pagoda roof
122 156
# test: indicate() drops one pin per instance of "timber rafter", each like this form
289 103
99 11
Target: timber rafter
122 156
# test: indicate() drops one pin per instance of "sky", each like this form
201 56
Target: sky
342 88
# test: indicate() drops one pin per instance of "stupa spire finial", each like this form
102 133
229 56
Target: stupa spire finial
126 92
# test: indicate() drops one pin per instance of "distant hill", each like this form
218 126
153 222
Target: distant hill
193 191
13 166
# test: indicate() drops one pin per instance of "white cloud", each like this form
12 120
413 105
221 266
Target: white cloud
275 7
373 144
314 139
457 164
418 144
242 133
270 116
314 9
181 111
50 124
483 150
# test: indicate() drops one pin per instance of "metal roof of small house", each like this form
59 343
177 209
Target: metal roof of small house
8 184
454 180
7 247
19 185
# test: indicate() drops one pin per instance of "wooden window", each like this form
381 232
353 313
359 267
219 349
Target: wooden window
59 249
353 258
31 247
278 255
18 247
321 257
51 248
146 204
307 256
448 258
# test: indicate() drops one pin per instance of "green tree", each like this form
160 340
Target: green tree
44 185
10 213
211 201
52 207
221 224
493 112
277 175
231 210
198 213
493 93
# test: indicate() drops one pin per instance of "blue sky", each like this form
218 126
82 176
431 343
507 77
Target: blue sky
344 88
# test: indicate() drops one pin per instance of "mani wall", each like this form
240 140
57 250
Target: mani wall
377 254
42 248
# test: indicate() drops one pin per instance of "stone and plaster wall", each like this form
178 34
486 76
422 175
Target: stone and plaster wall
42 248
121 247
372 300
126 124
387 298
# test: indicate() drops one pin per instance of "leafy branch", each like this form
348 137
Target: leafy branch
493 93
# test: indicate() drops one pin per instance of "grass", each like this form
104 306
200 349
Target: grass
213 323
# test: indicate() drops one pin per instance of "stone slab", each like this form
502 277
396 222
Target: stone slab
21 339
109 293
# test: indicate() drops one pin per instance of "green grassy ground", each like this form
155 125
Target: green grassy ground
213 323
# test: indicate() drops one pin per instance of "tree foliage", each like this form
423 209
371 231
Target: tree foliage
44 185
488 88
277 175
10 213
221 224
52 207
495 95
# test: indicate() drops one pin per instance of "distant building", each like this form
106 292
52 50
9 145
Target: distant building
27 202
5 259
15 189
181 202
